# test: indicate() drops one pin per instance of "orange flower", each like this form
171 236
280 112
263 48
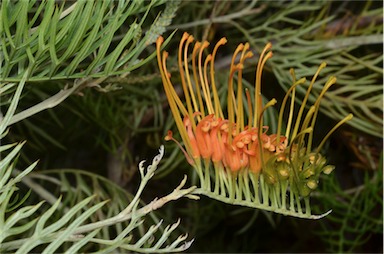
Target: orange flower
251 167
226 140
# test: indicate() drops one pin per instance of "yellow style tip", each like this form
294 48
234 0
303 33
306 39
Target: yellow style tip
185 36
159 41
190 39
222 41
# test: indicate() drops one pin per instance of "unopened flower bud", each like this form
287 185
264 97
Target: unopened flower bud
328 169
308 172
312 184
284 173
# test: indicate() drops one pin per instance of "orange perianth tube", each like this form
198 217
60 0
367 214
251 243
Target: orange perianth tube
254 159
217 152
191 137
233 158
223 138
258 99
197 83
203 85
203 138
255 164
244 159
218 110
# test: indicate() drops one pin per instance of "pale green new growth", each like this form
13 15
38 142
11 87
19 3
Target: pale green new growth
73 228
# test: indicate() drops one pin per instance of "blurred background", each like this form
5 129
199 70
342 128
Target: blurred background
113 124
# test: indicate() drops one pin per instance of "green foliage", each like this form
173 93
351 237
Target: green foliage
82 222
325 35
115 41
74 40
90 66
356 213
76 185
64 41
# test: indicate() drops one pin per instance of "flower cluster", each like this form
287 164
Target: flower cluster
250 166
216 139
207 134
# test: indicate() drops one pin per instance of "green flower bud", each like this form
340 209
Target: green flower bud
284 173
328 169
270 178
308 172
312 184
283 170
305 191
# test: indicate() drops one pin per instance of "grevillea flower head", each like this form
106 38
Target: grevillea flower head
237 159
